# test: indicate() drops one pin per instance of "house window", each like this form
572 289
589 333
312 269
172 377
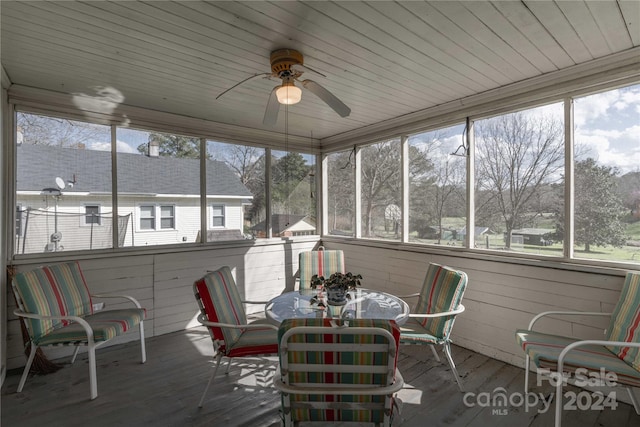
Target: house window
218 216
147 217
167 217
92 215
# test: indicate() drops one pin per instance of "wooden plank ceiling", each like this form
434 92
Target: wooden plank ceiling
383 59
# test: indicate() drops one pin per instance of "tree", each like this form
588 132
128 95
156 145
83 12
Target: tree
173 145
291 185
516 156
598 210
340 198
40 130
380 177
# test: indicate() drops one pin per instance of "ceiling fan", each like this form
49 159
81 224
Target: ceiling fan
287 65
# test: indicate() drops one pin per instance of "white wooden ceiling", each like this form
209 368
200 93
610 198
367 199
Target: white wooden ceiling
383 59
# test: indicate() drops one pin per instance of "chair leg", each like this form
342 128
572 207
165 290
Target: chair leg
228 366
634 399
93 377
142 345
213 374
75 354
447 352
558 422
527 365
25 374
435 353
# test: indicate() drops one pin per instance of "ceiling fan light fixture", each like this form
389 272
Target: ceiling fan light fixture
289 94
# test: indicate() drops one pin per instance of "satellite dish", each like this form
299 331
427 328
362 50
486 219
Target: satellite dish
60 183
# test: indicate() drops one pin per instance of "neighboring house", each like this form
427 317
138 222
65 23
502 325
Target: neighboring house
285 225
158 200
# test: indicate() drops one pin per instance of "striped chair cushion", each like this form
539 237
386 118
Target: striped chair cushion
442 290
414 333
220 301
323 263
254 342
106 324
372 409
544 350
56 290
625 321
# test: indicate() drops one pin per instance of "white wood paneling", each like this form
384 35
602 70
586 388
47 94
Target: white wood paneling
163 283
500 297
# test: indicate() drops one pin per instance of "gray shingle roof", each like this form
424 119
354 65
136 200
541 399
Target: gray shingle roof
39 165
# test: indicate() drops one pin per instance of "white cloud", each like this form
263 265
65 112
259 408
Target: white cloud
122 147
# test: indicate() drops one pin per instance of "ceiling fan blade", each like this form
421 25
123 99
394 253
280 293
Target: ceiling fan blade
331 100
271 113
302 68
245 80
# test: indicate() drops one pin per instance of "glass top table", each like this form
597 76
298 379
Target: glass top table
362 304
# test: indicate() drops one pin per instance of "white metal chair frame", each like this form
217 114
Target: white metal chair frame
558 411
91 344
446 345
281 381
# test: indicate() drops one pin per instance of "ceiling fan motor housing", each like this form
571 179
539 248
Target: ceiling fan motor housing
283 59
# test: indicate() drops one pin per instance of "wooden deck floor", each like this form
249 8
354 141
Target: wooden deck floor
165 391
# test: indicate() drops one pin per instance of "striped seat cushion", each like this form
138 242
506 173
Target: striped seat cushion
625 321
323 263
106 324
254 342
544 350
442 291
56 290
414 333
338 407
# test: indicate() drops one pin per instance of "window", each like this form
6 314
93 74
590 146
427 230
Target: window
235 191
74 157
519 160
167 217
437 187
293 200
381 190
341 193
607 176
147 217
218 216
158 175
92 215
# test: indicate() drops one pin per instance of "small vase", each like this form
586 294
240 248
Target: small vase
336 296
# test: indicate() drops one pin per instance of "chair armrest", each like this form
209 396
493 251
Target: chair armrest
76 319
409 296
255 302
455 312
132 299
565 313
228 325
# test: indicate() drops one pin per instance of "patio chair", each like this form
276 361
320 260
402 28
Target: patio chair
338 373
58 310
439 302
321 262
222 312
618 353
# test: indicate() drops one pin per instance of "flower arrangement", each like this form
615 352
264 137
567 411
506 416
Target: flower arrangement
337 281
336 286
